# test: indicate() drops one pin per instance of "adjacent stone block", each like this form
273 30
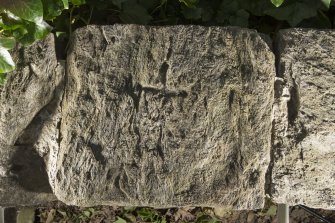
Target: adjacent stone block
166 116
29 87
23 177
304 131
28 125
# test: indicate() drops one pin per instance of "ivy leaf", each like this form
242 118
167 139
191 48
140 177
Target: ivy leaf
6 62
52 8
3 78
148 4
30 10
207 14
321 21
272 211
33 32
118 3
240 18
227 9
256 7
66 4
7 42
78 2
25 32
134 13
294 12
326 3
42 29
120 220
191 13
278 3
189 3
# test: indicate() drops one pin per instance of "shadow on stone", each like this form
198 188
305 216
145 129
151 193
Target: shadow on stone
28 169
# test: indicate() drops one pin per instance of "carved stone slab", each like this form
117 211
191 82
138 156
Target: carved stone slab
166 116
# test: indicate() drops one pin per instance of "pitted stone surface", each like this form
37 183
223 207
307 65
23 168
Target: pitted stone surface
23 177
166 116
29 87
171 116
27 138
304 133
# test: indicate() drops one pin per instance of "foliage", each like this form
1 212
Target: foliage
126 214
25 21
68 215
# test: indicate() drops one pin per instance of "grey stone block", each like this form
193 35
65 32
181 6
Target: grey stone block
29 87
171 116
23 177
27 125
166 116
304 111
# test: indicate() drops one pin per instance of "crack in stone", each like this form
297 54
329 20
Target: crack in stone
163 73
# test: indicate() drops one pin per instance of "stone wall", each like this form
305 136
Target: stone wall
304 131
173 116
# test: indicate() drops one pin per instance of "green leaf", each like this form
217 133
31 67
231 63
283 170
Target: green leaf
63 213
3 78
191 13
277 3
32 32
129 209
41 30
227 9
207 14
52 8
134 13
295 12
149 4
10 22
78 2
61 34
147 214
204 218
272 211
320 21
87 213
129 217
66 4
189 3
231 13
6 62
256 7
7 42
239 19
326 3
118 3
120 220
31 10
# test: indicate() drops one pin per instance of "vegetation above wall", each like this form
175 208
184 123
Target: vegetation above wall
25 21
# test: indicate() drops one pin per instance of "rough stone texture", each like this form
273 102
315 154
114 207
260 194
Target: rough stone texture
171 116
23 177
166 116
27 120
29 88
43 134
304 135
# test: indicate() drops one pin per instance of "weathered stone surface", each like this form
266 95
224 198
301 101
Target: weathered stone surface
23 177
29 88
304 111
43 135
166 116
27 125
